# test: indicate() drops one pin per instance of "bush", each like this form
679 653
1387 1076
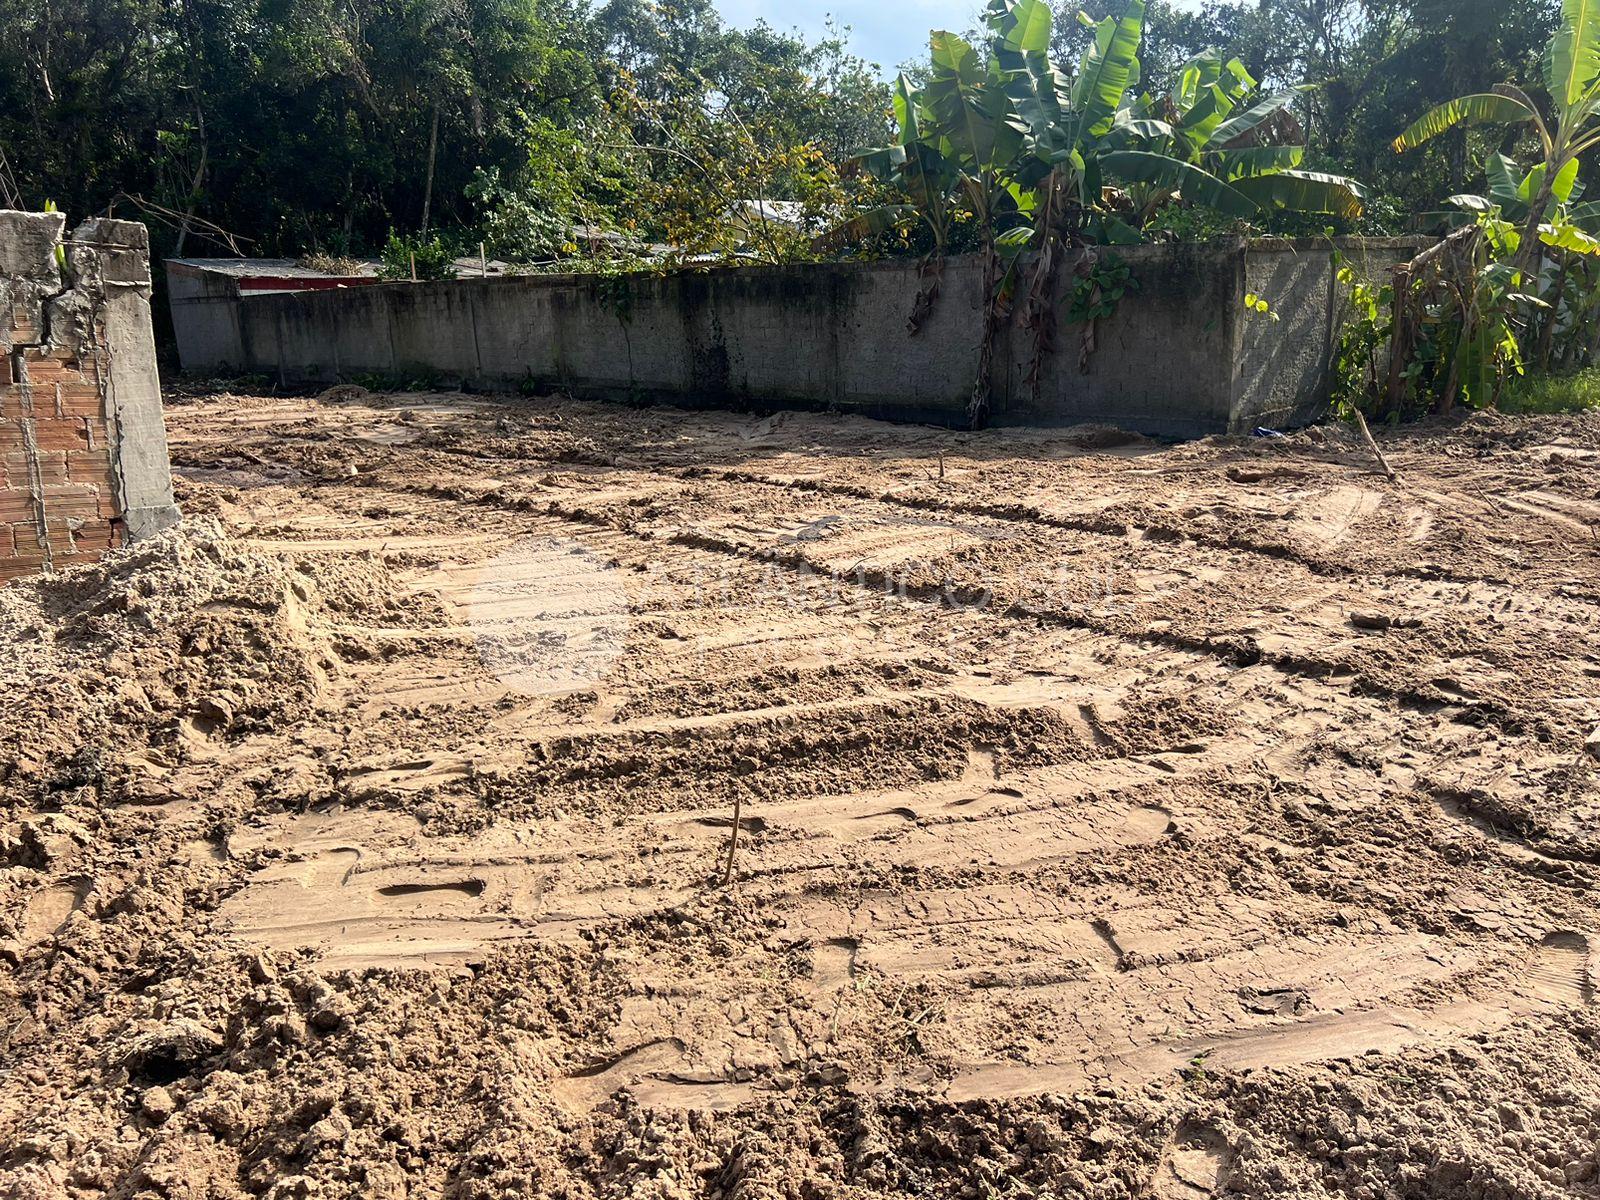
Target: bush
433 259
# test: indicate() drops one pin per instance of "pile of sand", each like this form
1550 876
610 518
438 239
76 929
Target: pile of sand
188 635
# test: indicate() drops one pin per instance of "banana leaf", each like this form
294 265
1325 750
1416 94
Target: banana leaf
862 226
1255 160
1236 127
1109 69
1572 60
1198 186
1307 192
1481 108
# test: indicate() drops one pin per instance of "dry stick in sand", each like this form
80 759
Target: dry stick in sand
1366 436
733 839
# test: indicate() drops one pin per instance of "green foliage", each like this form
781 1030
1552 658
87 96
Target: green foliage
1239 146
1259 306
426 257
420 378
1357 71
306 126
298 124
1577 392
521 223
60 251
310 127
732 139
1512 307
617 291
1355 382
1485 108
1000 132
1096 292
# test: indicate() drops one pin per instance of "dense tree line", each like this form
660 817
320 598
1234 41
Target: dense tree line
326 125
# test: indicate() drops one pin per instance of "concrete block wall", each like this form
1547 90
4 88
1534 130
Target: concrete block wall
83 458
205 316
1180 357
1282 366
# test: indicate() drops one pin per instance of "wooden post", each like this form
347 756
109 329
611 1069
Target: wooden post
413 267
1400 332
483 261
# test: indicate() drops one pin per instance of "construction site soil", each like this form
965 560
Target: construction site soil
1113 819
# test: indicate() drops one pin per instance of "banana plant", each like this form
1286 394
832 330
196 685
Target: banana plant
1511 194
1572 77
1013 139
1216 118
1082 135
956 149
1561 292
973 129
1036 156
973 120
912 165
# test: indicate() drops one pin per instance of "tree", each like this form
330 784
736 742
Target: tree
1009 137
719 125
1572 78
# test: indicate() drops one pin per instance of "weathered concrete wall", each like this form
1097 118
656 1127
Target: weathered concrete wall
205 318
799 337
1179 357
82 443
1283 365
1162 362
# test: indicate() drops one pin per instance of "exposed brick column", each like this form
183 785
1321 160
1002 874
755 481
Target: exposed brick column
70 476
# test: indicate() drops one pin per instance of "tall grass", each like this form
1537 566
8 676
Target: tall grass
1577 392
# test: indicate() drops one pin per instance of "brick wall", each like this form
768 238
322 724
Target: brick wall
65 402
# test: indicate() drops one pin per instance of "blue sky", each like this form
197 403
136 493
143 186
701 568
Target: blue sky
888 32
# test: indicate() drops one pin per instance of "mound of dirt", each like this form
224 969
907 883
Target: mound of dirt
187 636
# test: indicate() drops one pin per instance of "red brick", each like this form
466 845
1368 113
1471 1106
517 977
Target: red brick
67 433
79 400
63 530
5 369
44 374
91 466
29 544
24 324
16 505
72 502
11 401
41 365
76 540
18 568
8 542
15 471
96 537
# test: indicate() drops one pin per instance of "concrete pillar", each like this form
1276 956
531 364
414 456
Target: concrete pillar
83 448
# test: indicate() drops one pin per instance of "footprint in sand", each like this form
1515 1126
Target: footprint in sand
1195 1163
1559 972
49 909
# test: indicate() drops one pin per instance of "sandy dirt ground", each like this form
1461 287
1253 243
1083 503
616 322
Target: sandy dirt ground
1115 819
